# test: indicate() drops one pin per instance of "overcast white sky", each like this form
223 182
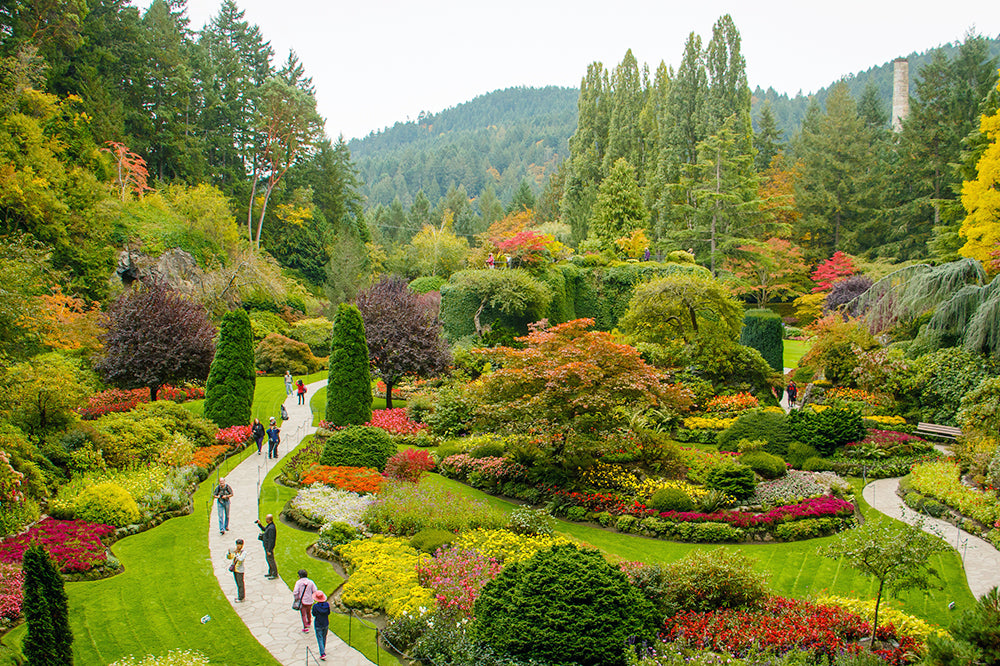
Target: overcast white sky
375 62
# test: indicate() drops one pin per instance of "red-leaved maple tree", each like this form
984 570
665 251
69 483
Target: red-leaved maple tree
832 270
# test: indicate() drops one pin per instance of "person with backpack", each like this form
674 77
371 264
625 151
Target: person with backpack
223 493
257 431
302 392
273 439
793 393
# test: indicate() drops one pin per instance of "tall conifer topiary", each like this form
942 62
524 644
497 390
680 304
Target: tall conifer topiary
762 330
46 611
349 392
232 378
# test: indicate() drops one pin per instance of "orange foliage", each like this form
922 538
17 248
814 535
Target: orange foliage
132 173
777 192
65 322
510 226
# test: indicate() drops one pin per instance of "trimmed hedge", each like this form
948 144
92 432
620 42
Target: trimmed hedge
349 391
358 446
232 378
762 330
763 463
826 430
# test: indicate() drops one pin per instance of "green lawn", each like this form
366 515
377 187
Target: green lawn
318 404
267 397
156 604
794 351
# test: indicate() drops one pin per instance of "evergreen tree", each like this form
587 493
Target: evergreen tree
767 139
619 209
46 611
587 147
686 106
728 92
232 377
624 135
490 208
349 392
524 199
762 330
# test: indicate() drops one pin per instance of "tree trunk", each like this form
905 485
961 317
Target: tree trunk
153 390
388 394
878 600
263 210
253 193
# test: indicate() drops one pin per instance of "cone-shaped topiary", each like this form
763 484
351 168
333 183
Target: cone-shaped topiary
349 391
762 330
563 605
232 377
46 612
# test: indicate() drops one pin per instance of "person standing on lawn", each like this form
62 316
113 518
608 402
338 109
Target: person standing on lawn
257 431
321 621
223 493
269 537
303 593
238 556
288 382
302 392
273 439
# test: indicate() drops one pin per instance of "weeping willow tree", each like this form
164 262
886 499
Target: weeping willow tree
964 308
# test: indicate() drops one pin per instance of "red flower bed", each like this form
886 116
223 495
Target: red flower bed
354 479
234 436
74 545
782 625
117 400
395 421
11 592
409 465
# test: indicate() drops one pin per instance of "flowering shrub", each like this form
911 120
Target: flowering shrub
405 509
206 456
615 477
11 592
353 479
409 465
461 465
383 575
887 420
171 658
794 486
506 546
732 404
884 443
74 545
155 488
709 422
321 504
234 436
942 480
457 575
395 421
782 625
398 392
117 400
907 625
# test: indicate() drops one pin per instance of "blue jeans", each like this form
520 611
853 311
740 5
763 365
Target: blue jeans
321 638
223 515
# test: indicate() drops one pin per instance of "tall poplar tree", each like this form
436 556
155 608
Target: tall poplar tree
624 132
232 377
587 147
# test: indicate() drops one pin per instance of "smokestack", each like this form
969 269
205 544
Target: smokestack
900 92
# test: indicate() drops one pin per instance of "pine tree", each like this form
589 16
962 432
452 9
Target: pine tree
349 391
619 209
232 377
624 136
587 147
728 91
686 106
46 612
523 199
767 140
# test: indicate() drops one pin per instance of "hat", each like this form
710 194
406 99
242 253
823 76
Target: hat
318 596
272 419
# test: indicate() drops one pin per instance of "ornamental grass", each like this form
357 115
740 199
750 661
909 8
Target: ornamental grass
74 545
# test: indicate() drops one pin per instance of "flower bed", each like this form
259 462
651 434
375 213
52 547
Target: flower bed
732 404
155 488
118 400
462 465
506 546
171 658
793 487
906 625
74 545
234 437
206 456
407 508
783 625
383 576
353 479
11 592
395 421
615 477
320 505
942 481
457 575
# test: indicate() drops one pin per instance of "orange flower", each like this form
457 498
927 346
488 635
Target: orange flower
206 455
354 479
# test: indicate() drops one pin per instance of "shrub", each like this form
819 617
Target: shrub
525 520
231 378
314 332
490 448
769 426
765 464
177 419
735 480
419 405
107 503
707 580
671 499
358 446
763 330
427 283
383 575
827 429
11 593
934 508
349 391
452 413
337 533
277 354
129 442
816 464
429 539
409 465
798 453
975 635
562 605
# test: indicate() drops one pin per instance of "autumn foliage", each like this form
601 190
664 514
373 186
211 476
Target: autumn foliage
832 270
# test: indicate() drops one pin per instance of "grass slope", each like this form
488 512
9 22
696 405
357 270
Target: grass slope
318 404
156 605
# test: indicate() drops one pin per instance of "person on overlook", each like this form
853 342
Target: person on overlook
321 621
273 439
303 595
269 537
302 392
288 382
223 492
238 555
257 431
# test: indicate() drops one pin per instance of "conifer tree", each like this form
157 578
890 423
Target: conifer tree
624 135
619 209
767 140
349 391
46 612
232 377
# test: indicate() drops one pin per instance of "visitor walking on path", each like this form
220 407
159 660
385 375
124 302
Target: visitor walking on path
288 382
239 557
223 493
303 593
269 537
302 392
273 439
257 431
793 391
321 621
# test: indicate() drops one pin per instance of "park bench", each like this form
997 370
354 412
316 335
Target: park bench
935 430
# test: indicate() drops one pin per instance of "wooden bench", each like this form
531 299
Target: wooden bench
935 430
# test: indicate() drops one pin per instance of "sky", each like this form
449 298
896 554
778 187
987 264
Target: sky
376 62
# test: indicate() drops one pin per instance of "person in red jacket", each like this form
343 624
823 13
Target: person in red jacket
301 388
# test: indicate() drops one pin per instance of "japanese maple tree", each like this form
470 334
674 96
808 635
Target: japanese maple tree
768 270
832 270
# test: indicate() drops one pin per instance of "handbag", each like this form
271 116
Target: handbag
297 602
232 567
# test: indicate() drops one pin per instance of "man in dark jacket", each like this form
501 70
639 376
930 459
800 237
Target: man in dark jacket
269 536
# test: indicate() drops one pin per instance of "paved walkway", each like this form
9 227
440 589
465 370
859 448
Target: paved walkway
980 558
267 611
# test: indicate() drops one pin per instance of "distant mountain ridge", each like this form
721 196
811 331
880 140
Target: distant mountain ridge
502 137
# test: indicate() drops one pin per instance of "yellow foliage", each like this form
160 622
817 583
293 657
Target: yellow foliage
635 245
506 546
981 199
809 307
383 575
906 625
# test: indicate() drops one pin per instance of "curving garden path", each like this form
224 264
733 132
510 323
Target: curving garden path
267 611
980 558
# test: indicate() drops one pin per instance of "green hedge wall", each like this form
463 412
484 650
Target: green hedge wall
762 330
